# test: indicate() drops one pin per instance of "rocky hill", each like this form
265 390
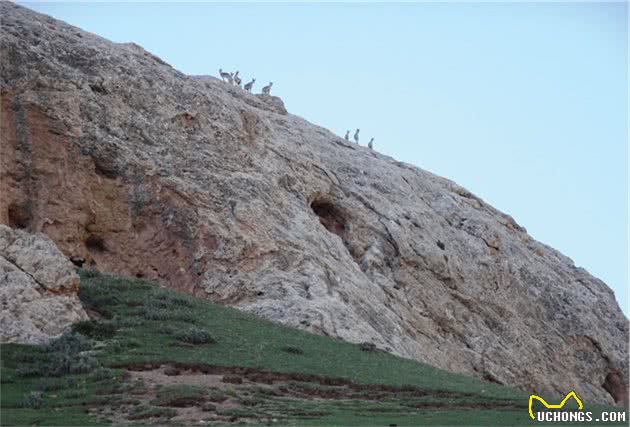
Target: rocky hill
144 171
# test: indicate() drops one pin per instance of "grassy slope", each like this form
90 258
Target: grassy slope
145 326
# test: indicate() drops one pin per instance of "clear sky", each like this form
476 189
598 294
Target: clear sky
524 104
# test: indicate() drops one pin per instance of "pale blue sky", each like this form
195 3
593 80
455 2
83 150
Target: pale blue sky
524 104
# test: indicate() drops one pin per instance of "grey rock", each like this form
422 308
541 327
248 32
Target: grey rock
38 289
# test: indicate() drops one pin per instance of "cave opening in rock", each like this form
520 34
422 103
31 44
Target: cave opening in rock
19 216
331 216
95 243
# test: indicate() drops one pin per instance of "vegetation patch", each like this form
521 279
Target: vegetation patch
145 412
94 329
180 396
93 375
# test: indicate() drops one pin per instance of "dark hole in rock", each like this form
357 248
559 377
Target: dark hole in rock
441 245
95 243
139 275
98 88
616 387
260 293
77 260
330 216
105 168
19 216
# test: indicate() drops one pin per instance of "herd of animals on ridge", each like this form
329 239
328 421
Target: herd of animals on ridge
234 79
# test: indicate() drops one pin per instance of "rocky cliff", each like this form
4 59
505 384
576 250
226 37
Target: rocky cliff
38 289
145 171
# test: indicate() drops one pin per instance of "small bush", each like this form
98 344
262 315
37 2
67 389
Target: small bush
128 322
215 395
94 329
166 329
7 379
171 371
74 393
194 335
61 357
102 374
168 300
143 412
208 407
292 350
232 379
33 400
152 311
180 396
251 401
69 343
53 384
64 364
88 273
368 346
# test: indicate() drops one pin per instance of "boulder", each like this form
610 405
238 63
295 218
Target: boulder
38 289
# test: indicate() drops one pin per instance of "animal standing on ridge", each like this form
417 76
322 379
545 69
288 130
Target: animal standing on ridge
248 86
371 144
267 89
347 137
237 79
356 136
225 76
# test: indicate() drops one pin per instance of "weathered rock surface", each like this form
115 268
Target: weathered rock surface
38 288
145 171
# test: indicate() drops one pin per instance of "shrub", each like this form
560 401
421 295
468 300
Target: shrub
94 329
292 350
368 346
208 407
167 300
64 364
180 395
232 379
171 371
153 311
34 400
53 384
61 357
215 395
88 273
143 412
194 335
69 343
128 322
101 374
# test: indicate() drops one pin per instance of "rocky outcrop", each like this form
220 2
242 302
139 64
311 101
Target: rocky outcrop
38 289
142 170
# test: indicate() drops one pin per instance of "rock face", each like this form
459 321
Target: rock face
38 288
144 171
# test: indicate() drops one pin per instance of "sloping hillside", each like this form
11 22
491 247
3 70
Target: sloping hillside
158 357
147 172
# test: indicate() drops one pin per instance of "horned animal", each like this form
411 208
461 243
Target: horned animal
248 86
267 89
224 76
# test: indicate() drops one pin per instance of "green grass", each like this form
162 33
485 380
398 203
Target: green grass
144 324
